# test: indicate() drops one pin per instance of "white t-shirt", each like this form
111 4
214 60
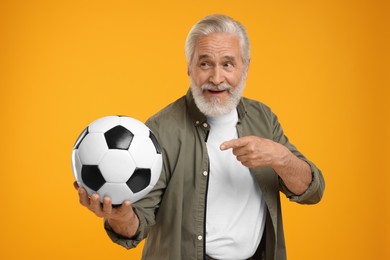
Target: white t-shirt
235 214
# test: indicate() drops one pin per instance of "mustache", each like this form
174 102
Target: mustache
219 87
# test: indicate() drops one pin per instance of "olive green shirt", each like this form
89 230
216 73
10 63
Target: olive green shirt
172 216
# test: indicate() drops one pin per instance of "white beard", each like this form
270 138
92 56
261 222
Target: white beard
214 106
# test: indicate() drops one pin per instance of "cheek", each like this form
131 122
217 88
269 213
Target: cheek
234 80
199 78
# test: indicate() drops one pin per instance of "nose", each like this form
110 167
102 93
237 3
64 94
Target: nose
217 77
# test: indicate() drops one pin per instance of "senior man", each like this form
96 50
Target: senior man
226 160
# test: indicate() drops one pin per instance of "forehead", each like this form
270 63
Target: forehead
218 45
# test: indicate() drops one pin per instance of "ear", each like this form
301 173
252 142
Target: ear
246 69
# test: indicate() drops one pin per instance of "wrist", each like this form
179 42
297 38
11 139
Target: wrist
283 158
126 227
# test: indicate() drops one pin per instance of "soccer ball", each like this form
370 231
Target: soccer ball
117 156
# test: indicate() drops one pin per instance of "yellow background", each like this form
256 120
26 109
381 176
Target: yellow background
323 66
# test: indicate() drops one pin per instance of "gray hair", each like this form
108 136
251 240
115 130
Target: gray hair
217 23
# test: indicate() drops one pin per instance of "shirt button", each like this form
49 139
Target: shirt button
205 173
197 122
200 237
205 125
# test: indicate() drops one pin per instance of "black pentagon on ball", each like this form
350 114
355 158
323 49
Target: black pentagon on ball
155 142
118 137
92 177
139 180
80 138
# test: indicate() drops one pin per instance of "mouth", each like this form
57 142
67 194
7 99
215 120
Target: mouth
216 92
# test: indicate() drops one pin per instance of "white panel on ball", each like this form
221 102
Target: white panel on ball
143 151
117 166
103 124
92 148
118 192
76 165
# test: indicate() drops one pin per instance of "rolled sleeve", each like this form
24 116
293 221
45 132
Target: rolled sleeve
314 192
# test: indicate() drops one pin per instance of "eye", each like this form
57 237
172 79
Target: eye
228 65
204 65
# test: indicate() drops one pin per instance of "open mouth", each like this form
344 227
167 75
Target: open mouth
216 91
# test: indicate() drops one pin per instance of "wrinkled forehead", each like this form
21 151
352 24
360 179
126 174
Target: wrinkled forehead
218 46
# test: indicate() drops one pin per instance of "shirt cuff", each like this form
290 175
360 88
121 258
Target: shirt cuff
127 243
313 193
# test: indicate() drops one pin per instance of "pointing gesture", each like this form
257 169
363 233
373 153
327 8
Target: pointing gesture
253 151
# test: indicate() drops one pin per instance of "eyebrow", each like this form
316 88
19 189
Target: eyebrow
229 58
226 58
204 56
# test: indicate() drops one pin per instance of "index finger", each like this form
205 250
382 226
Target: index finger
234 143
